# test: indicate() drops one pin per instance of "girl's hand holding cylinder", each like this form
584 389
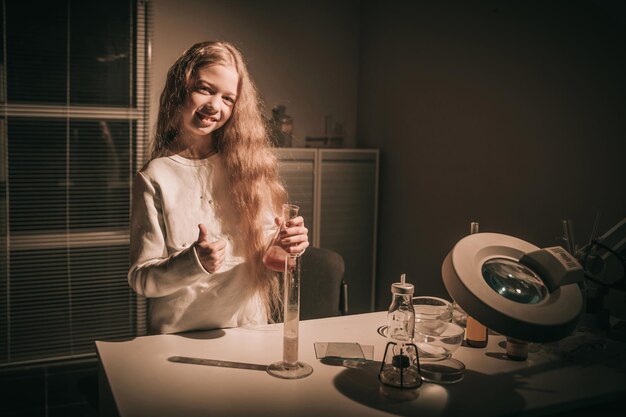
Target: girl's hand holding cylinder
293 236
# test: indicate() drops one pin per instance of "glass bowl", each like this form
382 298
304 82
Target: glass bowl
432 308
446 371
437 339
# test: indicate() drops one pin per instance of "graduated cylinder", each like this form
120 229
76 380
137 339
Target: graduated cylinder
291 302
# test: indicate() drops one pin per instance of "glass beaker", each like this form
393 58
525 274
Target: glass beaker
274 258
437 339
431 308
290 367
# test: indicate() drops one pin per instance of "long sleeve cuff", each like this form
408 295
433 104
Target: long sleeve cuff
162 277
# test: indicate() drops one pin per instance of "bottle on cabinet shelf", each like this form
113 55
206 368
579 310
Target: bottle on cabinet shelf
476 333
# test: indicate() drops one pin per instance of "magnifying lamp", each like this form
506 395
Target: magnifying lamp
515 288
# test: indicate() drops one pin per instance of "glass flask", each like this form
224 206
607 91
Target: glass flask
400 367
401 314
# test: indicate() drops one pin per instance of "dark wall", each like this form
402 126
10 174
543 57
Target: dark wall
301 54
510 113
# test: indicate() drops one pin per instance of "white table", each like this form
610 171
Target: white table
137 379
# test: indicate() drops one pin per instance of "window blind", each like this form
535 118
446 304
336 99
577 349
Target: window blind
73 90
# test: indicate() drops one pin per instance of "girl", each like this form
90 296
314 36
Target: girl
205 207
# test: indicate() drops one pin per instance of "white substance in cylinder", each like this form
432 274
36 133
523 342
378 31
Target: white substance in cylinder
290 336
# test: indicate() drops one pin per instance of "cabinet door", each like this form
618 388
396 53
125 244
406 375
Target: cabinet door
297 170
348 213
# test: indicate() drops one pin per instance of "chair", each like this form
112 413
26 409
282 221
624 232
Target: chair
323 292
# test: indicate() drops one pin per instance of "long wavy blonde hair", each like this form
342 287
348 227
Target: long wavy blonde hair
245 151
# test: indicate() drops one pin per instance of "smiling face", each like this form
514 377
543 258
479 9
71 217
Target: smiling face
210 104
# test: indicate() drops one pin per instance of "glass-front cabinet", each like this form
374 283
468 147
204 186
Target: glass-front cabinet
337 190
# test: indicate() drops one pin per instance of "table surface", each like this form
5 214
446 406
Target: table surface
144 381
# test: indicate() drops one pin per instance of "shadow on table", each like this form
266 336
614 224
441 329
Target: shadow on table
203 335
361 384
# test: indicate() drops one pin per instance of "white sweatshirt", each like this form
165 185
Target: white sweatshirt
171 196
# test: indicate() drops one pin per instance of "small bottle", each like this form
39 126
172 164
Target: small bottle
401 315
476 333
516 349
400 367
